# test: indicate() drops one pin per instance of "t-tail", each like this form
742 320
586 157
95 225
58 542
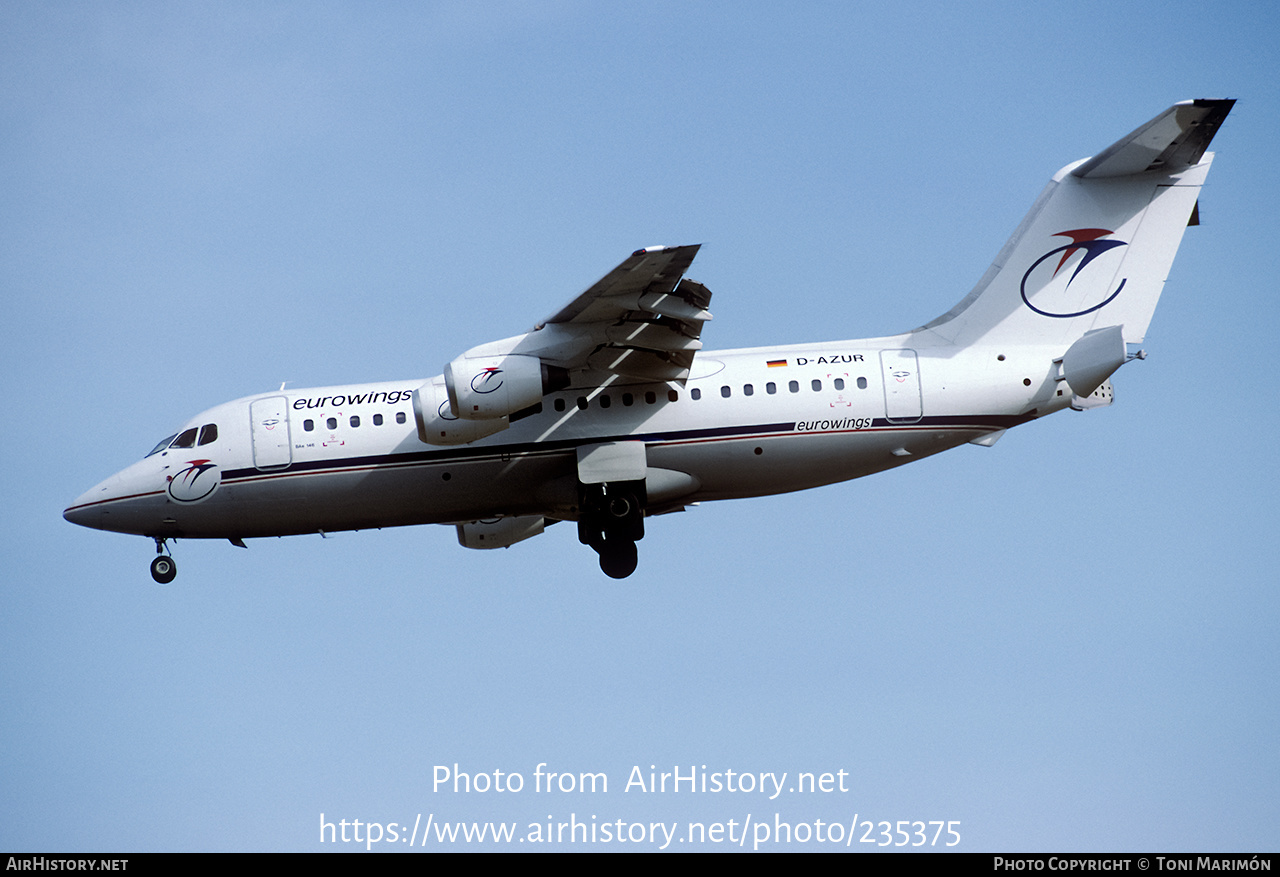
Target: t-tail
1092 255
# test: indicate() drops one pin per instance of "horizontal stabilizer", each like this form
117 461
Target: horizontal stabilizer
1173 140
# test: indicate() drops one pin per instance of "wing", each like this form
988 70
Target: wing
641 321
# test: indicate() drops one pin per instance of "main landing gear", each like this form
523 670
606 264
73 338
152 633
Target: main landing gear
612 522
163 569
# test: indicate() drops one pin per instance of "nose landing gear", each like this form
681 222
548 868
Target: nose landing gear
163 569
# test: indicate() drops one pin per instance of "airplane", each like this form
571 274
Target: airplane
609 411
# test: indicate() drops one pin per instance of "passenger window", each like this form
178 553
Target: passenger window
862 383
817 385
332 423
355 420
377 420
628 399
400 417
794 386
308 425
605 401
748 390
839 383
673 396
725 391
185 439
695 393
208 434
559 406
582 403
650 397
771 388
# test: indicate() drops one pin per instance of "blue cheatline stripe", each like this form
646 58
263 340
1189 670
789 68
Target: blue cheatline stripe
464 454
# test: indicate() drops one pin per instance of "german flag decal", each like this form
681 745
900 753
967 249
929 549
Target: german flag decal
777 363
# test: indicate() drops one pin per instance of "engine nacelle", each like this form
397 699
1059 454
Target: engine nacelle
485 387
501 532
437 424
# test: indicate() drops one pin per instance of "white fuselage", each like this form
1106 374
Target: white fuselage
748 422
610 410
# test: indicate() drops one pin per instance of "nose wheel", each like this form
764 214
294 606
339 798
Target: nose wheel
163 569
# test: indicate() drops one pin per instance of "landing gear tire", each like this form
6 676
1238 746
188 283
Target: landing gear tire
618 559
625 516
163 569
612 522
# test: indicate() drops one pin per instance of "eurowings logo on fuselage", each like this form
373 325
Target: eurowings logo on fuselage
195 482
1053 297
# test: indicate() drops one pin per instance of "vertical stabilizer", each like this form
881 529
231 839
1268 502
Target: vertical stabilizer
1096 247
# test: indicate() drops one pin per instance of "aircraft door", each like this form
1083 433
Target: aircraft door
269 426
902 400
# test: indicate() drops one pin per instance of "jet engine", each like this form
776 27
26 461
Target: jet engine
500 533
437 424
493 386
487 387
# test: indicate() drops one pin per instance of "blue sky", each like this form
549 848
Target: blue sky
1067 641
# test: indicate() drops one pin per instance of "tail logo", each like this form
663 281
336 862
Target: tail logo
1053 297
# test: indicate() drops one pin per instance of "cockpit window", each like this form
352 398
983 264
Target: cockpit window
164 443
186 438
208 434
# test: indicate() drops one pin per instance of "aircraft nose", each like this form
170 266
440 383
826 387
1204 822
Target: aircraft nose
87 510
78 514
